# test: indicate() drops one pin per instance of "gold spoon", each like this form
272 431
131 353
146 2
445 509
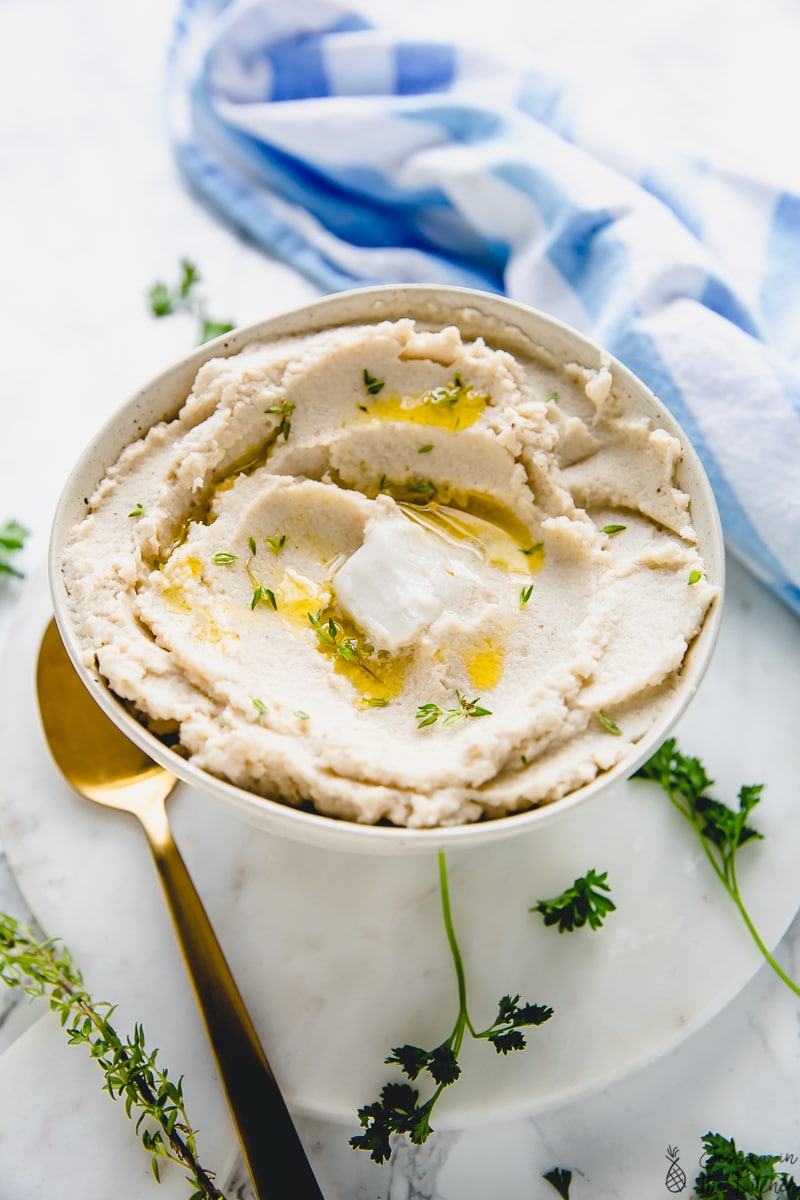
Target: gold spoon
104 766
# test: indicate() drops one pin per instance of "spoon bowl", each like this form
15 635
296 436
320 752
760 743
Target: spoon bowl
102 765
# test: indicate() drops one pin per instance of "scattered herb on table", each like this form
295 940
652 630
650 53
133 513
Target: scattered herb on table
45 970
729 1174
429 714
722 830
585 902
12 539
399 1110
560 1179
184 297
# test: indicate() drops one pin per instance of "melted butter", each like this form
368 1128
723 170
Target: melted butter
454 407
489 528
298 595
484 663
375 675
174 592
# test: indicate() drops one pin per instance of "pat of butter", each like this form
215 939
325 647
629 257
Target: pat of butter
400 579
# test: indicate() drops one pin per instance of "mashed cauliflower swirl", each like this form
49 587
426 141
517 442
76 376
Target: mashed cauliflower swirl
394 573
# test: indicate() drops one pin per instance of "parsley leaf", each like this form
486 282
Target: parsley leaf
559 1179
398 1109
583 903
729 1174
722 830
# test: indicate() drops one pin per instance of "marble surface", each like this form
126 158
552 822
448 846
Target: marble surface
93 212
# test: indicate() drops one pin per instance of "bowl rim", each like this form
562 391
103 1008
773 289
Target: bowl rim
368 305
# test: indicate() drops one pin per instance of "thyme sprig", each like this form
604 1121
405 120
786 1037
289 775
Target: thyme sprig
45 970
429 714
184 297
722 830
12 539
398 1110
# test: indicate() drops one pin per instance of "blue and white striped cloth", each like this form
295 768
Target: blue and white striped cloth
359 157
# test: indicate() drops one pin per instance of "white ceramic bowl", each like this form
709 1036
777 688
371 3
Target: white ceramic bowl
518 329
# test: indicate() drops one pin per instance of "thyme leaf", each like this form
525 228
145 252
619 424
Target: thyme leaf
609 724
429 714
284 410
372 385
223 558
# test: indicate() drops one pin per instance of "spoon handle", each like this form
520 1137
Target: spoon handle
272 1149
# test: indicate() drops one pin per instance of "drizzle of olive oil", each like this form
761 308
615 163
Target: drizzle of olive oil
376 675
298 595
459 410
484 663
176 577
487 527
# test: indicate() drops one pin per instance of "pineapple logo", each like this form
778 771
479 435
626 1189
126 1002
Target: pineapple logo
676 1176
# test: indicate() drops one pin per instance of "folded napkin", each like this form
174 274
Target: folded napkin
360 157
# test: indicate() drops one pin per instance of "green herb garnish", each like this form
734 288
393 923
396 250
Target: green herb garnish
422 487
729 1174
372 384
425 449
213 329
534 549
559 1179
12 539
525 595
429 714
448 395
582 903
183 297
260 708
377 701
223 558
261 593
284 410
252 544
46 971
301 716
613 530
137 510
609 724
398 1110
552 396
695 577
721 830
277 543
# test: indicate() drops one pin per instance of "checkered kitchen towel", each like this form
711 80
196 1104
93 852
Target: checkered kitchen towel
360 157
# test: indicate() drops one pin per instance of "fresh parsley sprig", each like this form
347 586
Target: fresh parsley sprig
12 539
730 1174
722 830
429 714
45 969
584 903
183 297
398 1109
560 1179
